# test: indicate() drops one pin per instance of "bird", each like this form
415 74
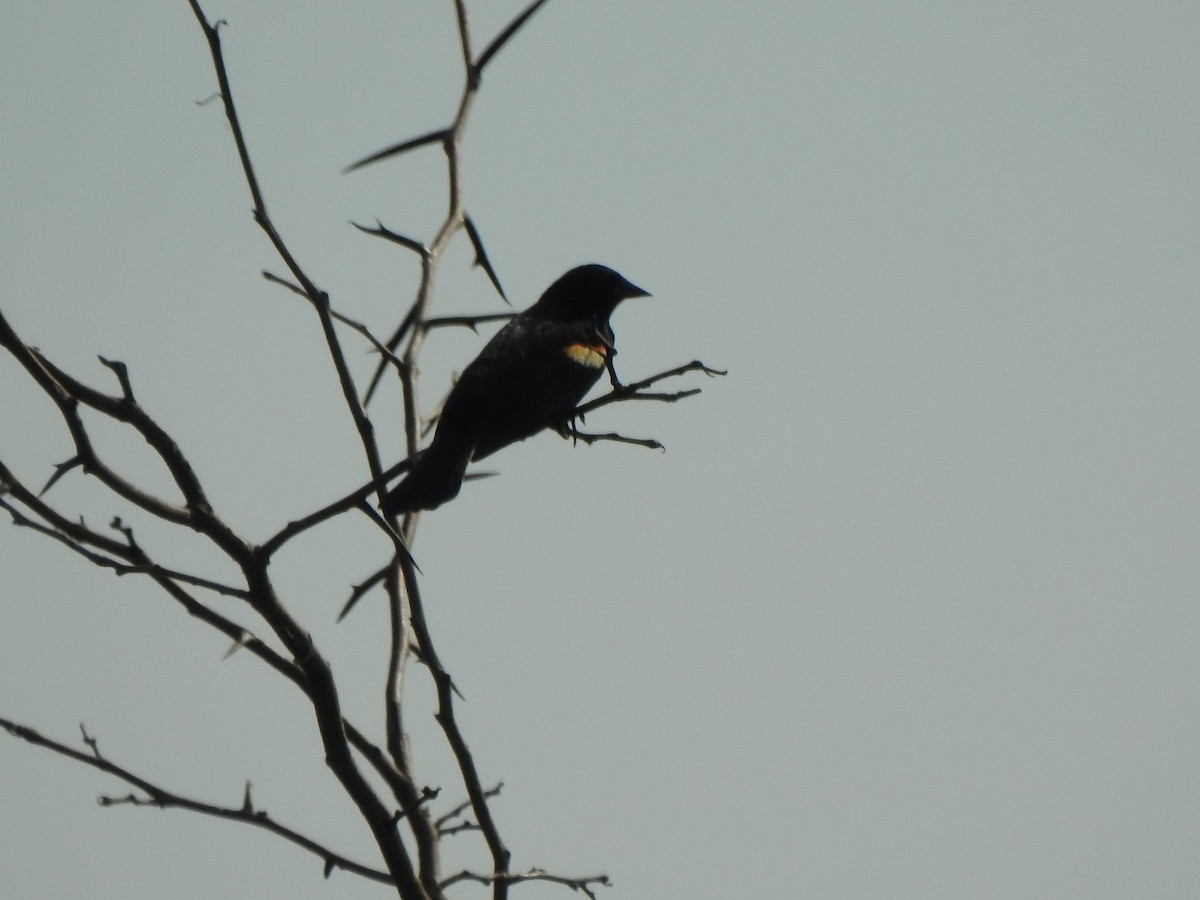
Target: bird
530 376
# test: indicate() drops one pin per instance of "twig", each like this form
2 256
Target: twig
576 435
476 794
442 821
318 677
413 328
164 799
583 885
339 317
388 235
636 390
317 297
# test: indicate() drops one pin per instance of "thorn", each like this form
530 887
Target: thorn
243 639
481 257
396 149
60 470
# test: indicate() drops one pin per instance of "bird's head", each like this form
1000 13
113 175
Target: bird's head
591 291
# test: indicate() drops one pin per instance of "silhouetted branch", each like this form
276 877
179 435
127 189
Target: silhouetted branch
317 297
394 806
442 822
387 234
344 319
637 390
164 799
583 885
576 435
68 393
476 794
393 342
456 217
412 328
318 677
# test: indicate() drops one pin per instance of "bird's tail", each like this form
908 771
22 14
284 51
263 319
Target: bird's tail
435 478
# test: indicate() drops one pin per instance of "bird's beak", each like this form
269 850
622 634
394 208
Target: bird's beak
632 291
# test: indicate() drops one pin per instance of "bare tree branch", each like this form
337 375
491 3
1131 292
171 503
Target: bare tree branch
443 822
476 794
388 235
575 435
164 799
636 389
317 297
583 885
321 687
395 806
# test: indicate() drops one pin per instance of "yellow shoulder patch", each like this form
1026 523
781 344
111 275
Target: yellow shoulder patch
592 357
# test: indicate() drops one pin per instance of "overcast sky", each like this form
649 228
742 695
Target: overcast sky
907 609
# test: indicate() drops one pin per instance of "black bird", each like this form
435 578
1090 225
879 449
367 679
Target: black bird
530 376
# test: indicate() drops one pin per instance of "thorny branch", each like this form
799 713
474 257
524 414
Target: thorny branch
286 646
164 799
583 885
402 587
323 691
306 668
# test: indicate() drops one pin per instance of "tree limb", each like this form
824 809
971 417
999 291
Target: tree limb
165 799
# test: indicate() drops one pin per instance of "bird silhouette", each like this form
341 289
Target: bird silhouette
531 375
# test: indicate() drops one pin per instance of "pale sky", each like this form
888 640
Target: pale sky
908 609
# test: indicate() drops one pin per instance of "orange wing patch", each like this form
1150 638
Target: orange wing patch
588 355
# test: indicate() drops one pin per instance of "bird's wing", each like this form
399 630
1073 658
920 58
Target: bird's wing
528 377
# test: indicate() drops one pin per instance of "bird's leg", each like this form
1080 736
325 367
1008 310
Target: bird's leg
611 368
569 428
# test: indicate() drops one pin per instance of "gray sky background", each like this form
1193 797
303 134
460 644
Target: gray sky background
907 610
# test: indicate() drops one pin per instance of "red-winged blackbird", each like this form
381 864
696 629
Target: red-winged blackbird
530 376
